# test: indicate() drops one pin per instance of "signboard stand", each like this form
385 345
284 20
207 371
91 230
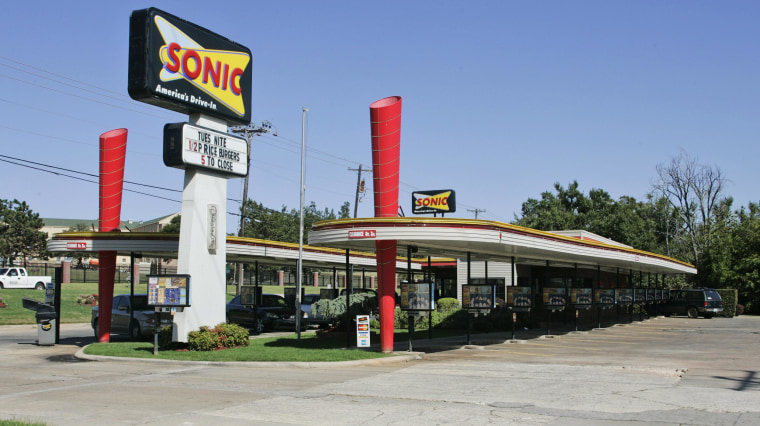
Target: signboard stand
477 298
362 331
411 319
519 299
156 331
178 65
416 299
555 299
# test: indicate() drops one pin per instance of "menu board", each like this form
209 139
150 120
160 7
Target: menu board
581 296
519 298
328 293
417 297
605 296
479 296
250 295
625 296
290 295
169 290
555 297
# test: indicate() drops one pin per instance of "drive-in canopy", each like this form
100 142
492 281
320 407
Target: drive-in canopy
487 240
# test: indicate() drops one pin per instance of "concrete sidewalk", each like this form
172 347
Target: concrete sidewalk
661 371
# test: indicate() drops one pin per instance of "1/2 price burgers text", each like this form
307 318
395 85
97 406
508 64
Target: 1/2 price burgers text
213 150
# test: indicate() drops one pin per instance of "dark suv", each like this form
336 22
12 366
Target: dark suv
694 302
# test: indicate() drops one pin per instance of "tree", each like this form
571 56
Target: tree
345 211
744 274
20 234
282 225
695 192
173 225
567 209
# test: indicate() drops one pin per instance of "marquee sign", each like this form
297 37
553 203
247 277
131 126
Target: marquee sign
199 147
183 67
441 201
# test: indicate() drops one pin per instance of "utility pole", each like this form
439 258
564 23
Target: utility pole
476 211
248 132
359 186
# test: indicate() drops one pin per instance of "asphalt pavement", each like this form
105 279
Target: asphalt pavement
673 371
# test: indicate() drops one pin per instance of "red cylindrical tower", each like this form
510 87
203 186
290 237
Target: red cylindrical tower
113 150
385 119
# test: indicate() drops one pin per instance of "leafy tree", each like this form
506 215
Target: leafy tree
626 220
173 225
740 268
20 234
345 211
282 225
567 209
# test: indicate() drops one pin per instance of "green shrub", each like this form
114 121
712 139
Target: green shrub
446 304
222 336
729 296
452 319
359 304
202 340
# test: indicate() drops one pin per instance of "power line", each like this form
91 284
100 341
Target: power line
476 211
59 171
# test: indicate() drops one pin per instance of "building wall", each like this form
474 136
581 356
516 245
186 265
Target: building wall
496 271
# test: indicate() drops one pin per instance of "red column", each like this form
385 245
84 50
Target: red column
385 119
113 149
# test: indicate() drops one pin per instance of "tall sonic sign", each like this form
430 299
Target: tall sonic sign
183 67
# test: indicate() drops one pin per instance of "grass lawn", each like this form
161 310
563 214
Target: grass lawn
311 348
15 313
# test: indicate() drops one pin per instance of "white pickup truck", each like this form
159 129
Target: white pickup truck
18 278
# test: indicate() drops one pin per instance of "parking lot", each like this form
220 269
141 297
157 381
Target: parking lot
659 371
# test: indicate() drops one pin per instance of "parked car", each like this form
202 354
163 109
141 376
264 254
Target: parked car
272 308
313 318
19 278
142 320
694 302
307 316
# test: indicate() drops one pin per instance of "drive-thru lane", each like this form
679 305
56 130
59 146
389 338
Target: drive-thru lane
663 370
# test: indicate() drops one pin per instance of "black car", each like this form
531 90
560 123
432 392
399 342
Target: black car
272 308
694 302
308 316
139 324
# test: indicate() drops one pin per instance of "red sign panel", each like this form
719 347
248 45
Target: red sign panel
370 233
76 246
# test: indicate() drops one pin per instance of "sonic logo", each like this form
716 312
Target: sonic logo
433 201
215 72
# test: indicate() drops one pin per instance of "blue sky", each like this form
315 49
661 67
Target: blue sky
500 99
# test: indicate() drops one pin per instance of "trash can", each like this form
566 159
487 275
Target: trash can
45 315
46 328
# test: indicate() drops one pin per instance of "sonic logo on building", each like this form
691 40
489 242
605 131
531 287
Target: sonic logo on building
441 201
186 68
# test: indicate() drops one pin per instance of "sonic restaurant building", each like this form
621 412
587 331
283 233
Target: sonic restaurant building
503 254
448 252
461 251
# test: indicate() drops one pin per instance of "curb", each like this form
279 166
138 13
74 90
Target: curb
398 357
